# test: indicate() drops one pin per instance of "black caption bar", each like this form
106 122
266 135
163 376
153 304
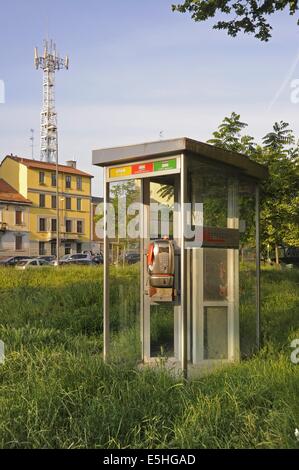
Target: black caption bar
121 459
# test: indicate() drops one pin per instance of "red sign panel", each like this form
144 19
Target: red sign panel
220 237
142 168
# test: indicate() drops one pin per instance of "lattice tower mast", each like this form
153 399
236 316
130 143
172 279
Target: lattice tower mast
50 62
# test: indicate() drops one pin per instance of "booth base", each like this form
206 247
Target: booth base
174 367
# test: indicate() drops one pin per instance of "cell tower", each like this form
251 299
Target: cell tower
49 63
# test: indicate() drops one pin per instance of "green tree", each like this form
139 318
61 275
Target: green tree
247 16
228 135
280 192
279 137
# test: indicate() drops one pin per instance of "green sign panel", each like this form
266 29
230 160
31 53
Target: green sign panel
165 165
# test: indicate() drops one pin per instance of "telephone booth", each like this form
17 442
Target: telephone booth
181 277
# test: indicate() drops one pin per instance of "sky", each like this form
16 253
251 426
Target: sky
136 69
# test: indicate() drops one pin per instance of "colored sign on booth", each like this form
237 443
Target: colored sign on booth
141 168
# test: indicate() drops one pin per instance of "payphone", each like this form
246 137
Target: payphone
160 263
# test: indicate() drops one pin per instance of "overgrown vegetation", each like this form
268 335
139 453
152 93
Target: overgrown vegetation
55 390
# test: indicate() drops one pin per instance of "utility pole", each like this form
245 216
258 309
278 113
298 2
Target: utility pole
57 207
50 62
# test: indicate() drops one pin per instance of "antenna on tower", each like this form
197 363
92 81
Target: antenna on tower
49 62
32 143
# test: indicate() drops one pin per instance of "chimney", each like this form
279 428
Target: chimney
71 163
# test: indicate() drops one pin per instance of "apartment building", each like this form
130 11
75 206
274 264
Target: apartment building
14 222
36 182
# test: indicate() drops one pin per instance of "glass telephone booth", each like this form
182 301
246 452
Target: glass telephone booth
181 249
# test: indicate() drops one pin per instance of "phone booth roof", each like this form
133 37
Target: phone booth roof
191 148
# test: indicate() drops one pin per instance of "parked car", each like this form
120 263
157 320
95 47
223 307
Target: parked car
98 259
132 258
32 263
87 262
47 258
13 260
67 259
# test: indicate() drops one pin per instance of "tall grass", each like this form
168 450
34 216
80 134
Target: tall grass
55 390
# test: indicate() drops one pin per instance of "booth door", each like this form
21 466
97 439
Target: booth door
160 332
214 281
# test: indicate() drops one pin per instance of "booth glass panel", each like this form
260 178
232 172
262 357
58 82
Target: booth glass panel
161 210
124 270
209 186
215 274
247 228
215 333
162 330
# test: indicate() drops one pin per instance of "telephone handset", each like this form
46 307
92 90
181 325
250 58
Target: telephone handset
160 263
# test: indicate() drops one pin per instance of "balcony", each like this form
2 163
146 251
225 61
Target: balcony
70 236
3 226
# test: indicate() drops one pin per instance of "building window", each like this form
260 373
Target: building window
19 242
19 217
79 183
68 181
53 202
68 226
41 177
68 203
67 248
79 247
53 179
42 200
79 204
53 248
42 224
79 226
53 225
42 248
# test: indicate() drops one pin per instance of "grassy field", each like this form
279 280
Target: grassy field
55 390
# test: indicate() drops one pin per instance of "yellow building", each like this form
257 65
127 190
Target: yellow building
36 181
14 222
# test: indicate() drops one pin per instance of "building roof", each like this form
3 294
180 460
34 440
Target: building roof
9 194
162 148
48 166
